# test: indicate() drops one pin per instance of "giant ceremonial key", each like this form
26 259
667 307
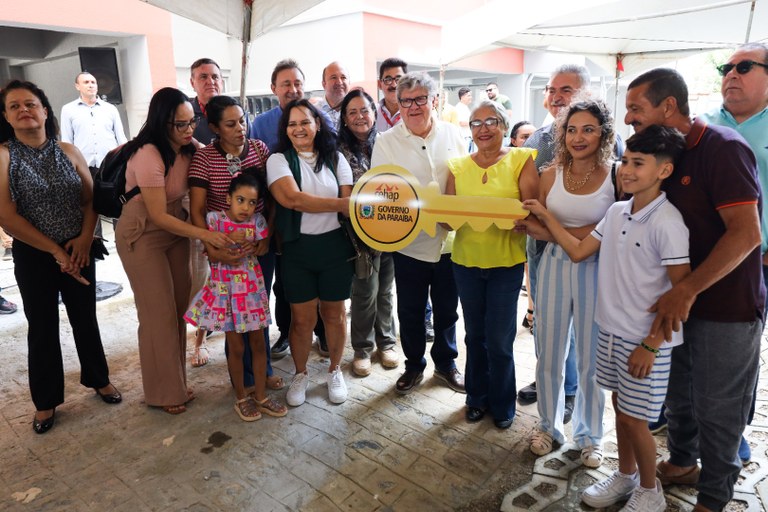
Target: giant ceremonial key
389 208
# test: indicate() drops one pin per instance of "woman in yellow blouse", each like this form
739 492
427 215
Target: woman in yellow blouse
488 265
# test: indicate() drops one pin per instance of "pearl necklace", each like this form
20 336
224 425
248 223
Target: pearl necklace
572 184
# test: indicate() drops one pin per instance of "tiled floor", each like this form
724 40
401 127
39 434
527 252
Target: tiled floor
378 451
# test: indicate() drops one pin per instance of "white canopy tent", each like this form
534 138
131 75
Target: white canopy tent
638 34
242 19
618 35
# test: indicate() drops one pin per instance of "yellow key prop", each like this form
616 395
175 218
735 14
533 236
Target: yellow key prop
389 208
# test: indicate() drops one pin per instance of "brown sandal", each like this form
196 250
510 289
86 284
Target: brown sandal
175 409
247 410
270 407
275 382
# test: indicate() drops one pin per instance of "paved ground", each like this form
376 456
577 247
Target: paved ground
378 451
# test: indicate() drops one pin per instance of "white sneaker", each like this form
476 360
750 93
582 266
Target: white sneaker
613 489
592 456
337 389
646 500
297 391
541 442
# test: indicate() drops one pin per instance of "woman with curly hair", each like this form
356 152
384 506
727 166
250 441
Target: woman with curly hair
578 189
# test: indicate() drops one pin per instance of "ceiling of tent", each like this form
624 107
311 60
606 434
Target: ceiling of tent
227 15
645 32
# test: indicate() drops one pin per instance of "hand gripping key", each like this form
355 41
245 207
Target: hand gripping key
389 208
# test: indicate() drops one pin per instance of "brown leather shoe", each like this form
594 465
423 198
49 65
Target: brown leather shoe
407 381
453 378
690 477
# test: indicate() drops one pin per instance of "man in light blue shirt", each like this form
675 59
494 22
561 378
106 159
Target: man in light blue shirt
90 123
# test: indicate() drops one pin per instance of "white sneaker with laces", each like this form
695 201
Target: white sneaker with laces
646 500
337 388
297 391
617 487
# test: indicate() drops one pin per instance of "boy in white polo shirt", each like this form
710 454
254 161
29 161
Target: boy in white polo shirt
643 247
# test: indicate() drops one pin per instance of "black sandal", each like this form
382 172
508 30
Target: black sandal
528 320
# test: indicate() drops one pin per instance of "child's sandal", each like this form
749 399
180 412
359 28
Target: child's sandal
270 407
247 409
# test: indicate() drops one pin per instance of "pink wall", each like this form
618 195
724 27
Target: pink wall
118 17
388 37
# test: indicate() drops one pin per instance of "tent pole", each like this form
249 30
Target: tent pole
749 23
247 11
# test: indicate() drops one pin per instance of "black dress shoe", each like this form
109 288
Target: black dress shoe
474 414
568 410
408 381
527 395
43 426
110 398
453 378
503 424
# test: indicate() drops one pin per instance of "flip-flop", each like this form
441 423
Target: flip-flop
275 382
690 477
199 359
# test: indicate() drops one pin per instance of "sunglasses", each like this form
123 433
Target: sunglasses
742 67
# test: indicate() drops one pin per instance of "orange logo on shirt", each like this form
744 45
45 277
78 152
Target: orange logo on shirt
686 180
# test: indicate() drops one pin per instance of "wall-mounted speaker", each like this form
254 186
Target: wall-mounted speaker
102 64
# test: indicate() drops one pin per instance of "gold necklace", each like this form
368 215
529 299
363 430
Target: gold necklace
572 184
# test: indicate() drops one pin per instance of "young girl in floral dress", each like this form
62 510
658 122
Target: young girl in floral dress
234 298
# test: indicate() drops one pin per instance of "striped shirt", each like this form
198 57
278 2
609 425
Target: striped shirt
212 171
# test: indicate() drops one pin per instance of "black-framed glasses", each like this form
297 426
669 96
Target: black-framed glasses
490 89
418 100
388 80
182 126
491 122
742 67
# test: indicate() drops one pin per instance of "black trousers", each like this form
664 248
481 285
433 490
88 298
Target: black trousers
40 281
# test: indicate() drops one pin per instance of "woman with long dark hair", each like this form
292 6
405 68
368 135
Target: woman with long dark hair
311 183
372 322
210 174
151 239
46 203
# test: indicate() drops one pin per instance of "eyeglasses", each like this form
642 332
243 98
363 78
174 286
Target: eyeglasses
490 90
182 126
742 67
419 100
491 122
388 80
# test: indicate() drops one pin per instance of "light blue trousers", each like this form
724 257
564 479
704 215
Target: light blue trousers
566 294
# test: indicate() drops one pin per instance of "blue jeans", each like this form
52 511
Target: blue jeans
534 250
711 384
415 279
489 302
